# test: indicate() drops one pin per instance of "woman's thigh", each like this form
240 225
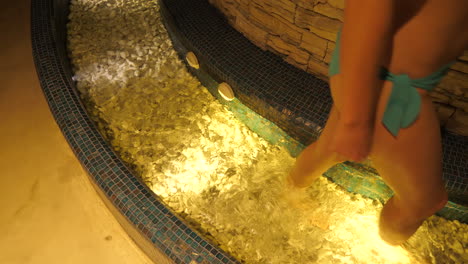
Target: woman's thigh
411 163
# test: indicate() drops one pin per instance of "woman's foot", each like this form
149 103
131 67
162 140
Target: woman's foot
299 180
398 221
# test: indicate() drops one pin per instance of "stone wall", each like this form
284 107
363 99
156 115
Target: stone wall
303 32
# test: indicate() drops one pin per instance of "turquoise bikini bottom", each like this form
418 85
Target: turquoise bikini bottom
404 103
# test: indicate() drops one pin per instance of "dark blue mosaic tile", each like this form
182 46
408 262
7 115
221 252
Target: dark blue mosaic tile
125 191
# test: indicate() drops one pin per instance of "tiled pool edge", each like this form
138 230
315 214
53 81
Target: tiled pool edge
372 187
146 245
132 199
70 115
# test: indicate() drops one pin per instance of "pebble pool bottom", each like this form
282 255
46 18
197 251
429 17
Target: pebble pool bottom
209 167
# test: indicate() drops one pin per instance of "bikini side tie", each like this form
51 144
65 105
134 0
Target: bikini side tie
404 103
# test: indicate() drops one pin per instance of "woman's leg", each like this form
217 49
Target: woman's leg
411 164
316 159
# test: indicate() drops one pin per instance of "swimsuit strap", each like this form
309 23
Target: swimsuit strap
404 103
334 67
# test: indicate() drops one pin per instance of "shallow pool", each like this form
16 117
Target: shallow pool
209 167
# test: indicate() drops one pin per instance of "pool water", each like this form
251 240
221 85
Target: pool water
209 167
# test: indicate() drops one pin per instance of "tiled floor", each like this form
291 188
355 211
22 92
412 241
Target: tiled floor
49 212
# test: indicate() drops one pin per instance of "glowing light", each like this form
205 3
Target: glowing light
204 163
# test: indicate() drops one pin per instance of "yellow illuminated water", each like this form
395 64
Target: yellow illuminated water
212 169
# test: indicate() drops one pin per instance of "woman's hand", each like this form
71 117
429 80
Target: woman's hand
352 141
366 39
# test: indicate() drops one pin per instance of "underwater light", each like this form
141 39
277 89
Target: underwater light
225 91
192 60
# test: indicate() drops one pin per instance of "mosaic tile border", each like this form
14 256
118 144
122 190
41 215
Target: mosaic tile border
132 198
222 51
129 195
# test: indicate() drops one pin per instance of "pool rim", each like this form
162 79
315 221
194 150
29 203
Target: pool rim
155 228
49 61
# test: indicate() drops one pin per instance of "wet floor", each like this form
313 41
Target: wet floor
209 167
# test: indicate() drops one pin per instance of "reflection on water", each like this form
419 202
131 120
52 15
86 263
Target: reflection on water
212 169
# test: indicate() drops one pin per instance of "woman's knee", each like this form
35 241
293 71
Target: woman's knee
426 203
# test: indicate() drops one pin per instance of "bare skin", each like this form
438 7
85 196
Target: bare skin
427 35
